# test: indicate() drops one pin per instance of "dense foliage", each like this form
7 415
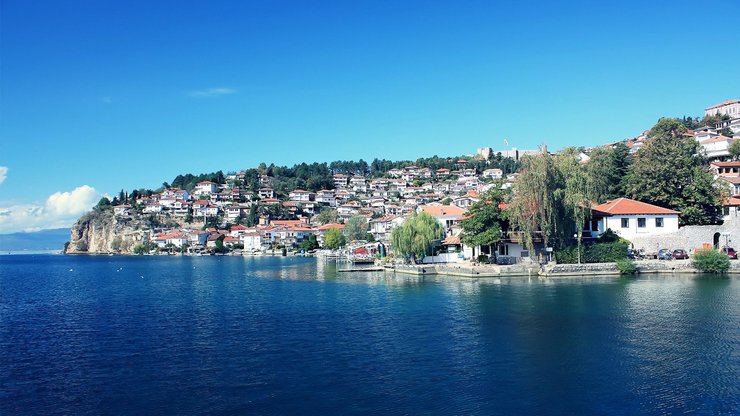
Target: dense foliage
415 239
485 223
334 239
188 181
538 205
606 172
594 253
670 172
626 266
711 261
356 229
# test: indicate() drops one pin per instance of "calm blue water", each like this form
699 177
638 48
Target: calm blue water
223 335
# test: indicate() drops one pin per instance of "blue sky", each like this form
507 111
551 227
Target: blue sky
129 94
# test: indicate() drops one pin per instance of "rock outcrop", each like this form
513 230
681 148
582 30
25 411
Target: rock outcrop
100 232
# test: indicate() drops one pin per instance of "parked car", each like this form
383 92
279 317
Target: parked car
731 253
665 254
680 254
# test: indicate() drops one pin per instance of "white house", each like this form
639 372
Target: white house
121 209
340 180
205 188
729 107
446 215
381 228
717 147
251 240
630 219
493 173
266 193
326 197
299 195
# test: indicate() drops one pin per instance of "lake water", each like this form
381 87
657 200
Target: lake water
230 335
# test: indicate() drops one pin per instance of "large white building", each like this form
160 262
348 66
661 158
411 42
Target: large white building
630 219
729 107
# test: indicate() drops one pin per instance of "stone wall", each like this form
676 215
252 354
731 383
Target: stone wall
692 237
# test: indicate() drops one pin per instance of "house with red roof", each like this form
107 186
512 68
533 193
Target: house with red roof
447 215
629 218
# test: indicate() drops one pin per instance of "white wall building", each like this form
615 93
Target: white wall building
729 107
630 219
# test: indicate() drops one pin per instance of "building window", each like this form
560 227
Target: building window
625 223
659 222
641 223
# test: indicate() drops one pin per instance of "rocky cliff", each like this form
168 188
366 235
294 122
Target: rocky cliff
100 232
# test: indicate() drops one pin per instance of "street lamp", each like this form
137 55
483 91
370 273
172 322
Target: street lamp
727 235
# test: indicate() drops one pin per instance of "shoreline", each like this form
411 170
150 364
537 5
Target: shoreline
680 267
554 270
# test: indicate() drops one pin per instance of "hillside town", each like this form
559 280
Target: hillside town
252 216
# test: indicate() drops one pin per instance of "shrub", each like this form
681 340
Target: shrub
711 261
626 267
141 249
595 253
483 258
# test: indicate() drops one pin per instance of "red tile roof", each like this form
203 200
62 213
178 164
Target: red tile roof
722 104
626 206
443 210
727 164
330 226
719 138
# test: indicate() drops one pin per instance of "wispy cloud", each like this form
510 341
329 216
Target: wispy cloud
212 92
3 173
61 209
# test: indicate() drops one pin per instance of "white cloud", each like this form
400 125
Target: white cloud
212 92
3 173
60 210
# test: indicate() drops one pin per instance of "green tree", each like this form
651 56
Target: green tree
220 247
327 216
606 170
735 149
310 243
485 222
537 206
334 239
253 217
416 237
669 171
356 228
576 194
104 202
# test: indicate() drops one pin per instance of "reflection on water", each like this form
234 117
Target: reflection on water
273 335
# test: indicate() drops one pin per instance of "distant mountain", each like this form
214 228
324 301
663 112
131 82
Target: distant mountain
39 240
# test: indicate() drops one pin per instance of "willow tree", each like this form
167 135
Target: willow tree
576 194
415 238
537 204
